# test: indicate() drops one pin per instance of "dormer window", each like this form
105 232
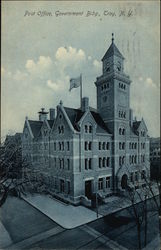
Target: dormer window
88 128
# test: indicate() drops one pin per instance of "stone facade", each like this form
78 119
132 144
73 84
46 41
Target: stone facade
85 151
155 158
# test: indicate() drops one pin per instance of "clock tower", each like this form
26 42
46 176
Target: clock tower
113 88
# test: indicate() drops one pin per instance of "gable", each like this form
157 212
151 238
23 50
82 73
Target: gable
27 132
62 122
44 131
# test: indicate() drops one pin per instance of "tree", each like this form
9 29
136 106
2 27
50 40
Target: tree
14 170
139 193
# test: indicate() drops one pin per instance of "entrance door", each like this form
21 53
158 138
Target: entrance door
124 181
88 189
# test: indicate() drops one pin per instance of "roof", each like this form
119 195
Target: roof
75 115
51 122
101 128
35 127
112 50
136 124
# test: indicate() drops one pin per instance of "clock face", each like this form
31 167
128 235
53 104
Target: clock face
122 99
104 101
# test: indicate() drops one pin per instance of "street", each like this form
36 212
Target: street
31 229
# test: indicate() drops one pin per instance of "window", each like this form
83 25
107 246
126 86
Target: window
90 145
107 161
100 184
104 162
54 146
100 162
123 160
68 164
61 129
68 146
87 145
86 128
130 145
62 145
107 145
62 186
136 176
120 161
63 163
55 162
107 182
104 146
120 131
88 164
123 145
123 131
99 146
90 129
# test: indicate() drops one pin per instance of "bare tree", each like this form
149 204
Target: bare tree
14 170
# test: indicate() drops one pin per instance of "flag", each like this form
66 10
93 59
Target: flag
75 83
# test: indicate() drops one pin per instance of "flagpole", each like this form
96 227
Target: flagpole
80 90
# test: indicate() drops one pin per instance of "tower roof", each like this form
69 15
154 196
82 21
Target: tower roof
112 50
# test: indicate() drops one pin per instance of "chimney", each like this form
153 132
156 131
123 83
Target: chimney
52 114
131 117
42 115
85 104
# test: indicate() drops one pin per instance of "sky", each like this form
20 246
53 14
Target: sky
43 46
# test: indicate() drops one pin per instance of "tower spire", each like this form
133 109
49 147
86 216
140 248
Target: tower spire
112 37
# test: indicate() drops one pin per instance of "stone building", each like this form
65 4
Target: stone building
155 158
83 151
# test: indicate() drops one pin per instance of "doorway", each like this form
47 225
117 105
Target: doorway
88 189
124 181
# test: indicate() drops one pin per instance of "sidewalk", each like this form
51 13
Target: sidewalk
67 216
5 239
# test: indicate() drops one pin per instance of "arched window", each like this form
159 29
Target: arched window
123 131
120 161
120 131
107 161
104 162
